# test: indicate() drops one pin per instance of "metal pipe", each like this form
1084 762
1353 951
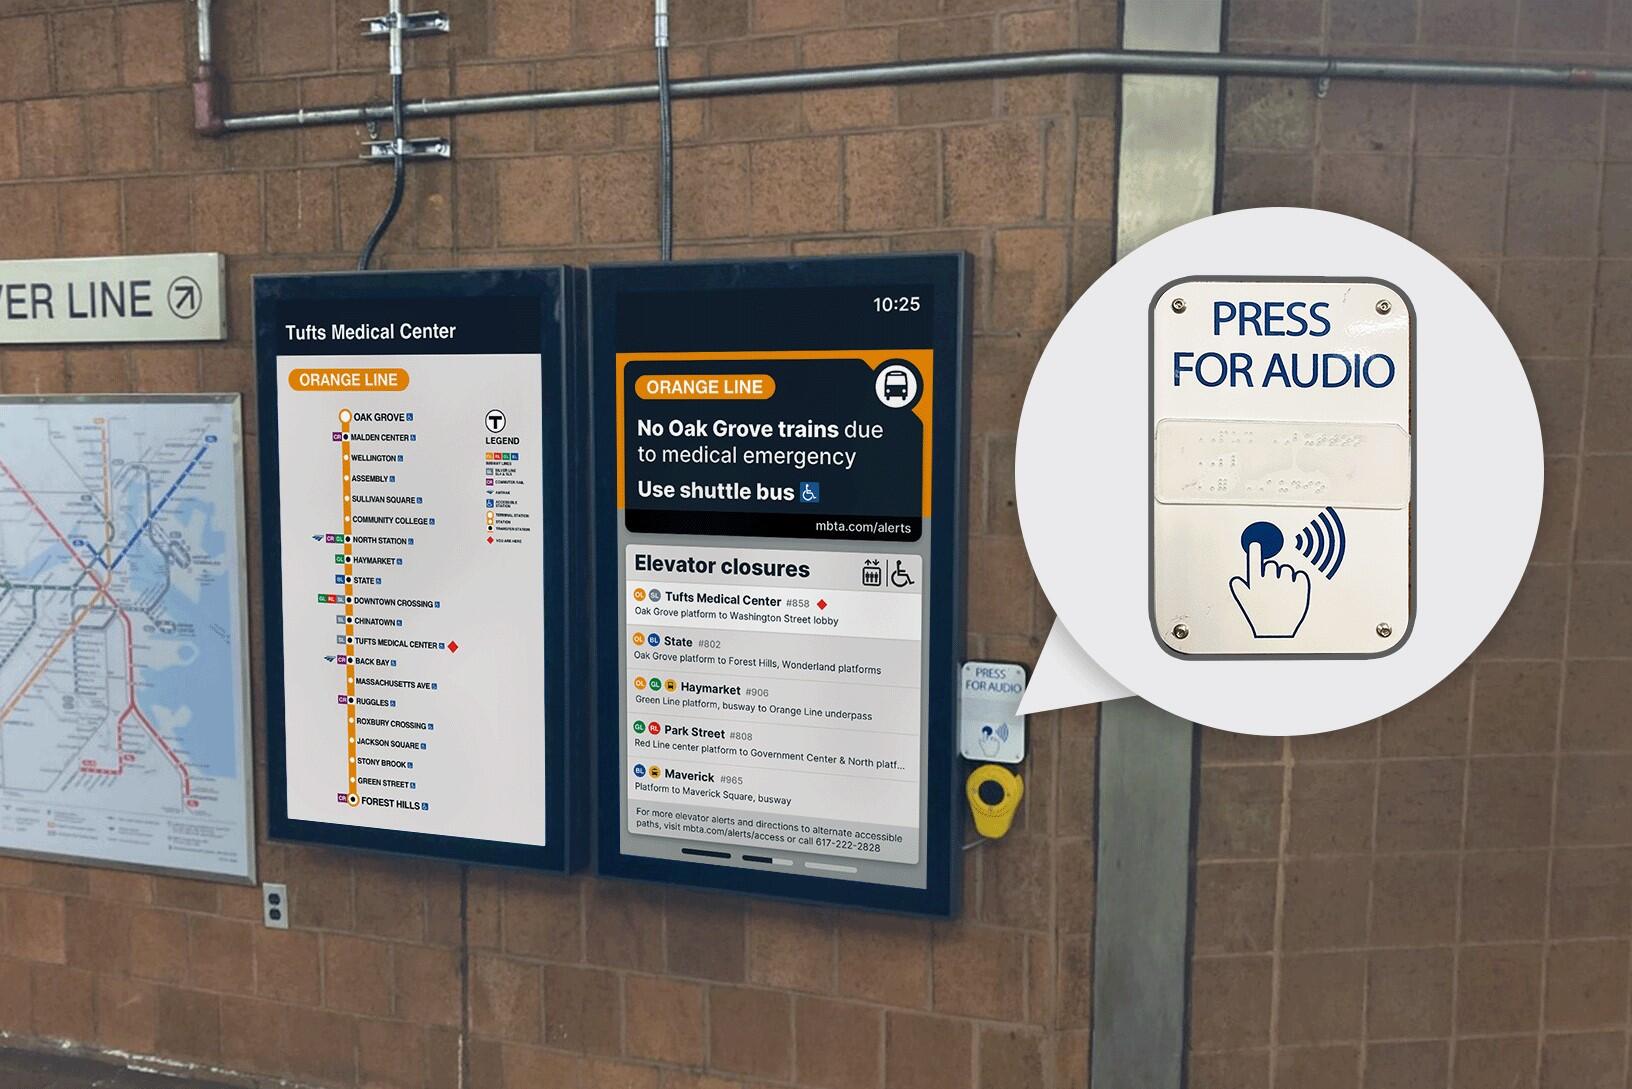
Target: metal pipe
204 56
207 119
1065 62
665 134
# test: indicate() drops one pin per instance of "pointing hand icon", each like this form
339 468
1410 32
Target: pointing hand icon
1274 597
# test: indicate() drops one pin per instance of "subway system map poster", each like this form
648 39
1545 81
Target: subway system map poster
124 681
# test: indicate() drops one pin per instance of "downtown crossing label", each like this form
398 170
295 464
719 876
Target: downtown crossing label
413 584
774 526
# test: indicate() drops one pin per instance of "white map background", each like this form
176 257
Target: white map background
123 681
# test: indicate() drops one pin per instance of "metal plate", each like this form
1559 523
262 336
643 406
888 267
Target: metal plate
1282 468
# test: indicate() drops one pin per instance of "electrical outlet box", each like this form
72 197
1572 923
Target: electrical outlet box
275 905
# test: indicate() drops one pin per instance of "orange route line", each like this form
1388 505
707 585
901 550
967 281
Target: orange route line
352 797
51 654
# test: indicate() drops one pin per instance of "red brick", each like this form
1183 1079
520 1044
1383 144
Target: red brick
663 1019
35 925
98 370
922 1051
837 1044
25 58
890 181
994 173
979 971
11 152
53 137
16 996
357 975
535 201
28 221
255 1035
583 1009
624 925
227 212
795 186
790 946
390 1055
64 1002
750 1032
288 965
165 222
87 57
611 24
531 28
505 999
127 1013
328 1045
884 960
97 935
153 44
158 945
617 197
303 40
300 211
90 218
423 985
711 192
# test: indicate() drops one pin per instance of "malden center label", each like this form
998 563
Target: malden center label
773 694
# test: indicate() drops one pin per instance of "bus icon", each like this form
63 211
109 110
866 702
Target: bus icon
896 385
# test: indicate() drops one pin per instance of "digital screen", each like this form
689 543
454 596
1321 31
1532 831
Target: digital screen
418 428
779 486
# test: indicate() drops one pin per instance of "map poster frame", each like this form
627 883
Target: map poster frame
238 590
829 335
509 329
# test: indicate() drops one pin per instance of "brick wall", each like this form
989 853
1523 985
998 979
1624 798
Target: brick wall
1443 898
573 981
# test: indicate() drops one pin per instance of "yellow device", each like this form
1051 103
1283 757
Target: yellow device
994 794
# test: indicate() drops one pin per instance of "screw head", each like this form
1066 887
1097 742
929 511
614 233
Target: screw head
1181 631
1384 306
1385 629
1178 306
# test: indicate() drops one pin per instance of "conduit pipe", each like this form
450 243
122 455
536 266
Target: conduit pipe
207 119
1006 66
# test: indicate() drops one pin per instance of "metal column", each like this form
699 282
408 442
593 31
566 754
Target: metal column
1167 175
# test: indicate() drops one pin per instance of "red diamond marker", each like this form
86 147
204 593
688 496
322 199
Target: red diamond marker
490 540
453 648
822 604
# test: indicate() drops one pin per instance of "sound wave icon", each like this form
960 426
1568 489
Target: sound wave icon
1323 542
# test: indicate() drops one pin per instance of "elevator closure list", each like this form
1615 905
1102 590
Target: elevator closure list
774 545
412 544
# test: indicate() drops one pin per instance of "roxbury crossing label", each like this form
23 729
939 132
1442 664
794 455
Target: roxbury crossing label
1281 468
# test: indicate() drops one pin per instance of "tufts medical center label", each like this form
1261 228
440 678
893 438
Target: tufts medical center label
102 300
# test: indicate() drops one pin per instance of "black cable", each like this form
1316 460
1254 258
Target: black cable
665 174
399 177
